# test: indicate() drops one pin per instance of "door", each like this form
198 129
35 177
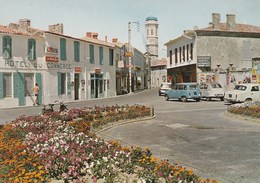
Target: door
39 82
19 88
96 85
76 86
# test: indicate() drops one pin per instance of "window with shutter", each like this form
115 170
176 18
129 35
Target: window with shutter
76 51
31 49
7 47
91 53
111 57
101 55
63 49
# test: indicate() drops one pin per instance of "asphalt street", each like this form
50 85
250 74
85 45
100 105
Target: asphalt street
197 135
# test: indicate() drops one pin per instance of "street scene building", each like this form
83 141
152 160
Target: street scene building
221 52
65 68
158 72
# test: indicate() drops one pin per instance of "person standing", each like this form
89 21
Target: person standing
35 91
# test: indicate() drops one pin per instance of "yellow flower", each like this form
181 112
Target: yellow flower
190 172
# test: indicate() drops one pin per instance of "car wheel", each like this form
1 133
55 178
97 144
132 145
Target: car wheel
248 100
222 98
208 99
166 97
197 99
184 99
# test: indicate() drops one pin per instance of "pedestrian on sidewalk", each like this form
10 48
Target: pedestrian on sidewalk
35 91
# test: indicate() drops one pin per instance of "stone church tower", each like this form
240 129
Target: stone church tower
151 25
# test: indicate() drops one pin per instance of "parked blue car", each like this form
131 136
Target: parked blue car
183 92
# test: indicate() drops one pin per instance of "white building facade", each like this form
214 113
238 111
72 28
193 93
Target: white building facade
65 68
221 52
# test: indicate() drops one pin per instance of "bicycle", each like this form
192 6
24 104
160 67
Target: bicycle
62 107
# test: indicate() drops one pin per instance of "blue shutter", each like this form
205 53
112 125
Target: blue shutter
59 82
63 49
68 83
76 51
7 46
111 56
19 88
1 85
39 82
91 52
101 55
16 85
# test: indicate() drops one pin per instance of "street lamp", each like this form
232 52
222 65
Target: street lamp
130 56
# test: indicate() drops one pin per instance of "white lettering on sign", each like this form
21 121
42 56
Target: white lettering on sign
21 64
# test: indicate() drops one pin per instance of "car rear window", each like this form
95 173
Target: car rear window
240 87
166 86
216 85
193 87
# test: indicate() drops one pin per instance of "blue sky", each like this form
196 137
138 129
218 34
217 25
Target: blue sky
110 17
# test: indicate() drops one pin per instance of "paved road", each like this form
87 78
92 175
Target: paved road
198 135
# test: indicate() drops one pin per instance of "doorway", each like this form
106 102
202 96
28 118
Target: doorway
76 86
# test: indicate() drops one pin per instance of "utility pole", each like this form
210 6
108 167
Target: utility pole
130 56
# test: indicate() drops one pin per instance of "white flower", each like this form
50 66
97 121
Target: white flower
105 159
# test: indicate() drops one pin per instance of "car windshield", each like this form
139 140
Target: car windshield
240 87
216 85
193 87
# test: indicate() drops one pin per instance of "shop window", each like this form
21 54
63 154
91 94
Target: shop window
7 85
28 83
7 47
63 55
31 49
100 86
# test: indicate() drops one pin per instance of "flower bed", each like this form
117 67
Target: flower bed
250 109
58 146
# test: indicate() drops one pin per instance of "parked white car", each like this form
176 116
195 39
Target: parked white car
164 87
211 90
243 93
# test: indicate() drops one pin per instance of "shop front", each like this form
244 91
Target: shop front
182 74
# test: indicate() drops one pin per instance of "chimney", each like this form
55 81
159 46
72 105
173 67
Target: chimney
56 28
89 34
114 40
93 35
13 26
231 23
215 20
24 25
